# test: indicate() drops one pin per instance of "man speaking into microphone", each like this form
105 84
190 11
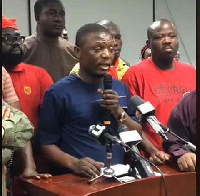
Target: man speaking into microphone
75 103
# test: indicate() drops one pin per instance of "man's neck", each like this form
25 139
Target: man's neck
166 64
43 37
89 79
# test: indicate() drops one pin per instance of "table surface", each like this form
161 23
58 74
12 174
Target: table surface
178 183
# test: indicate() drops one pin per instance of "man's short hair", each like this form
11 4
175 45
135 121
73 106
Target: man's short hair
40 4
86 29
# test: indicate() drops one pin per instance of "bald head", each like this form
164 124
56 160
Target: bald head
157 25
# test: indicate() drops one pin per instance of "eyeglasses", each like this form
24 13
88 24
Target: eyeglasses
12 39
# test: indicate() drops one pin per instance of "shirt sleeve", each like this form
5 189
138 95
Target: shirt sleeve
178 123
46 82
49 122
8 91
129 79
17 130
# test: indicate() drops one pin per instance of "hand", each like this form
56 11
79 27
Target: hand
111 102
31 173
88 167
6 112
159 157
187 162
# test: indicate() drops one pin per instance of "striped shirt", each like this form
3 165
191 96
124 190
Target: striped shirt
8 92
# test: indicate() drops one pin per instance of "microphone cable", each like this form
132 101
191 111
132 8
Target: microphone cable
163 177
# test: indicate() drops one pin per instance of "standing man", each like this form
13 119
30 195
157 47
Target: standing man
46 48
30 83
119 66
73 104
160 80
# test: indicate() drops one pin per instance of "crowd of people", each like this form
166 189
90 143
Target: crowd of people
53 91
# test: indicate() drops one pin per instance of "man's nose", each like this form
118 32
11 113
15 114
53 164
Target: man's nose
106 53
167 39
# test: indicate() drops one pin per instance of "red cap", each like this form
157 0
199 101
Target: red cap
8 23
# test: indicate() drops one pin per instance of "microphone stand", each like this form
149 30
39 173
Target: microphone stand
189 145
108 170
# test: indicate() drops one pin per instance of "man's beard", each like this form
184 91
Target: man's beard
10 60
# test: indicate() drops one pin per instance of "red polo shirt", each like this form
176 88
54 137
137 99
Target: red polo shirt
30 83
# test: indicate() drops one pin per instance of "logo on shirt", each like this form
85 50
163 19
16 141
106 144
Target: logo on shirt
27 90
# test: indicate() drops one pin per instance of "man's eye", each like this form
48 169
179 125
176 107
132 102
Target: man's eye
172 36
111 48
118 37
97 49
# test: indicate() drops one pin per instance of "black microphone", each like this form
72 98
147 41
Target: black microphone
147 111
137 165
107 82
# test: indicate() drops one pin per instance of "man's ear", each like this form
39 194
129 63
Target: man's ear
77 52
148 43
37 18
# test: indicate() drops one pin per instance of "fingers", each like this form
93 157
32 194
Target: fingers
155 160
89 167
45 176
159 157
6 112
187 162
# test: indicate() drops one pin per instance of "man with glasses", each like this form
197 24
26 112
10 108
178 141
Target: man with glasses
30 83
46 48
119 66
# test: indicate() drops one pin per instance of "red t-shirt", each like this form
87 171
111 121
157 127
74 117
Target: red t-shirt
163 89
30 83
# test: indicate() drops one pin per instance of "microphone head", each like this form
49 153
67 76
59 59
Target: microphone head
132 137
145 108
134 102
107 81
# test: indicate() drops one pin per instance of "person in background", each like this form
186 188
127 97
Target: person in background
177 56
8 91
46 48
30 83
182 122
145 52
65 118
160 80
119 66
16 132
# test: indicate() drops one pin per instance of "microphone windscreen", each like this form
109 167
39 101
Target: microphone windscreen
134 102
107 81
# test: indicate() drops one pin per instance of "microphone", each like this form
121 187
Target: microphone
102 135
138 165
147 111
107 82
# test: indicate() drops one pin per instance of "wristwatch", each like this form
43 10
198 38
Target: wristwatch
122 117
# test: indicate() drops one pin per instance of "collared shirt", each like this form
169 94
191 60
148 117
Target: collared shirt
8 92
30 83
